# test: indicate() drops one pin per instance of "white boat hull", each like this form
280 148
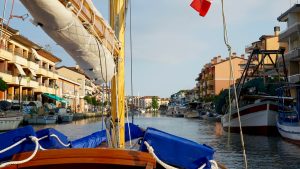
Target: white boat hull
66 118
43 120
10 123
256 119
289 132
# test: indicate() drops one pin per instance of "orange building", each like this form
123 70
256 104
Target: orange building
214 76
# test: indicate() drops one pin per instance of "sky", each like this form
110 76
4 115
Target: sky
171 42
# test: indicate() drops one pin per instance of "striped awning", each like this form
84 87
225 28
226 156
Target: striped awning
20 69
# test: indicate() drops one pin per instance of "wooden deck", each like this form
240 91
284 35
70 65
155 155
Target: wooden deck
86 158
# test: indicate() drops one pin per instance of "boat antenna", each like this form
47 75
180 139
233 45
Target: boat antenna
131 61
234 87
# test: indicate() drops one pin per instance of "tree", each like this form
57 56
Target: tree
3 85
155 103
88 99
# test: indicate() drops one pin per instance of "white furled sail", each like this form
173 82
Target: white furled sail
65 28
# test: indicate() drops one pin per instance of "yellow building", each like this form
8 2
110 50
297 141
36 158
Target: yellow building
266 42
28 69
214 76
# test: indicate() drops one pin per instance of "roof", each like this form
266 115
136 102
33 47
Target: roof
74 69
46 54
266 37
233 57
283 17
24 40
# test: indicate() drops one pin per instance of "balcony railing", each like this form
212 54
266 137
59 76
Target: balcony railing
294 78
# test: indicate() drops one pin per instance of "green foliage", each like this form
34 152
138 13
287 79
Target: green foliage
260 86
155 103
3 85
221 100
94 101
88 99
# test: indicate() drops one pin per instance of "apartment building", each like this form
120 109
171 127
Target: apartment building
291 37
26 67
215 76
69 91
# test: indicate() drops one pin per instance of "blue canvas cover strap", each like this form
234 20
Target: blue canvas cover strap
90 141
177 151
13 136
51 142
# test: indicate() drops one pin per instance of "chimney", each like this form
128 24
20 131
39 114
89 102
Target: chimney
234 54
242 56
276 30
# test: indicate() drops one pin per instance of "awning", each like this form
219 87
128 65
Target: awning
32 72
20 69
35 54
55 97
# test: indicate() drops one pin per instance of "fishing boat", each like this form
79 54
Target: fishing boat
257 111
10 121
9 118
42 119
288 120
258 118
98 48
63 115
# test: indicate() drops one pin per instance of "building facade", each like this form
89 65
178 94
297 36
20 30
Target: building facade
291 37
215 76
26 67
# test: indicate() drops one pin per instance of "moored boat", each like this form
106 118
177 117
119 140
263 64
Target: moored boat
42 119
258 118
9 121
288 120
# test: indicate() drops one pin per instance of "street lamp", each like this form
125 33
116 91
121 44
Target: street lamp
20 79
55 87
75 92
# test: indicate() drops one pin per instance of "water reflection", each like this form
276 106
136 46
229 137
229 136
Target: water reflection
262 152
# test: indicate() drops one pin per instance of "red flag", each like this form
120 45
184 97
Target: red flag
201 6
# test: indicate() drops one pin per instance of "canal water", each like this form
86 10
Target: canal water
262 152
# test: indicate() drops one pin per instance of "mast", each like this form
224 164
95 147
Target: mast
117 22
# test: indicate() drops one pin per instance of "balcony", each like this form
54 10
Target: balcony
6 76
47 73
291 32
15 80
293 55
32 65
45 89
294 78
5 54
32 84
19 60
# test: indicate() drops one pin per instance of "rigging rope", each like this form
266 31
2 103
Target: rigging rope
3 16
11 13
234 87
33 139
131 60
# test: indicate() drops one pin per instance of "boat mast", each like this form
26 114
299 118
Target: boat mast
117 22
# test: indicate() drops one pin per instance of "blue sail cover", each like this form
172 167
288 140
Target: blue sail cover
11 137
177 151
90 141
52 142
